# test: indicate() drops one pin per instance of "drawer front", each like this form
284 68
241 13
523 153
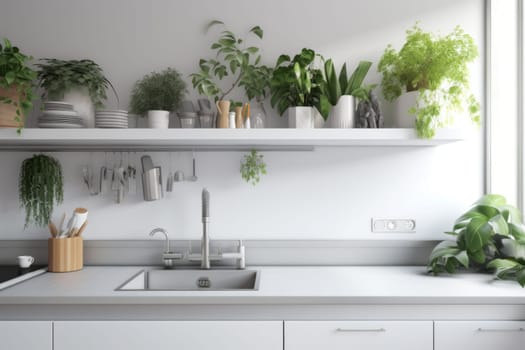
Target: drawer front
183 335
358 335
479 335
26 335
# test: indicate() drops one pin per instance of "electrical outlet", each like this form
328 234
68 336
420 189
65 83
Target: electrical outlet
393 225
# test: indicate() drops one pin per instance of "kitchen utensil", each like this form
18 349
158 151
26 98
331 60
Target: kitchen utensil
61 225
79 217
152 185
179 176
53 229
81 229
169 181
147 163
193 177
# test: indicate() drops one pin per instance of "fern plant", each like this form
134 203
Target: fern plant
40 188
436 67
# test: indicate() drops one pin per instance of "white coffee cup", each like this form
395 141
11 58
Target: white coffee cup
25 261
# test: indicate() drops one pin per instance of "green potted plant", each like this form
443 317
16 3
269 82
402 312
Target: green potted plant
341 91
490 236
237 61
429 77
16 86
157 94
40 188
79 82
296 87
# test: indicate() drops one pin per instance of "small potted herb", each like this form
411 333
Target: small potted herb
79 82
16 86
40 188
253 167
158 94
238 61
429 79
296 87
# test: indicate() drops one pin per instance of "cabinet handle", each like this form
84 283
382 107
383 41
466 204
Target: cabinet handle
521 329
360 330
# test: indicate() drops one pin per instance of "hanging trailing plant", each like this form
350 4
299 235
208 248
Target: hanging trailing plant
40 188
252 167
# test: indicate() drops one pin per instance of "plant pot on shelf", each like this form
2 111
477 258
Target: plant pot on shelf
158 119
301 117
342 115
401 118
82 104
8 110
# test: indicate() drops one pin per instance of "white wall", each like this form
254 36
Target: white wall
327 194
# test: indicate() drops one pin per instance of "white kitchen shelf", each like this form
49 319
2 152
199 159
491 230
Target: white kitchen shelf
213 139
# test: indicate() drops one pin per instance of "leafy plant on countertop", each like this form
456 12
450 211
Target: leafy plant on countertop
253 167
40 188
436 67
336 86
15 73
242 64
57 77
297 83
158 91
488 237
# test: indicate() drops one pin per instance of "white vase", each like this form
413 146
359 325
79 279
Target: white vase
342 115
301 117
158 119
81 101
401 117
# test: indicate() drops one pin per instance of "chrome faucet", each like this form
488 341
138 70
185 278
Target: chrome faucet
205 242
168 257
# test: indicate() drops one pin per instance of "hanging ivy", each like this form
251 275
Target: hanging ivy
40 188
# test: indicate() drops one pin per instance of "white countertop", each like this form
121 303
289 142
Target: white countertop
278 285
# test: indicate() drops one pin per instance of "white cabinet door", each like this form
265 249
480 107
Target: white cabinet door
358 335
182 335
26 335
479 335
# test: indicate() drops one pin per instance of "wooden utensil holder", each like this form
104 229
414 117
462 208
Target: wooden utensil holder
65 254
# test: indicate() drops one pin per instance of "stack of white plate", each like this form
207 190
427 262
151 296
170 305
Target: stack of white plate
111 118
59 115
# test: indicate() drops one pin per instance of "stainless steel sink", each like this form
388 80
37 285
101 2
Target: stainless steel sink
192 280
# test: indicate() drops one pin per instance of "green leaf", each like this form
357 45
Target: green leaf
499 225
520 277
517 231
473 236
252 49
513 249
478 256
10 77
463 258
358 76
492 200
257 31
511 214
343 79
212 24
282 59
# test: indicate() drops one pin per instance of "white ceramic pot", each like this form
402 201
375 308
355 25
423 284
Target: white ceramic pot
81 101
158 119
301 117
342 115
401 117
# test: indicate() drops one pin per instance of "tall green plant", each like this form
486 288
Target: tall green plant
296 82
437 67
158 91
490 236
40 188
57 77
338 85
233 59
15 73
